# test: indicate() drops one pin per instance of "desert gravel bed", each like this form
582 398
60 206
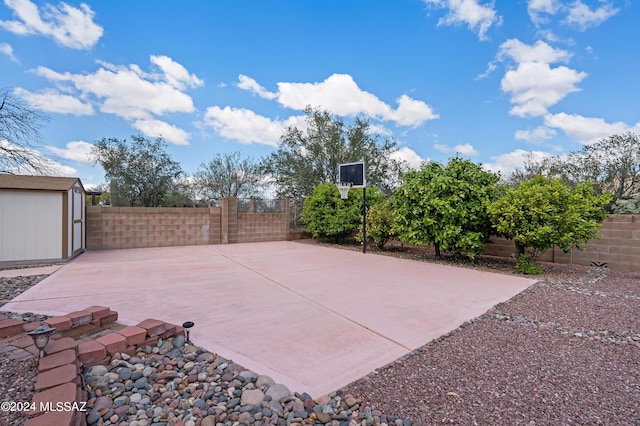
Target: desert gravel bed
12 287
614 284
568 308
493 372
16 384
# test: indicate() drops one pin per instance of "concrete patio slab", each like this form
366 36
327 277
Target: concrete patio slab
313 318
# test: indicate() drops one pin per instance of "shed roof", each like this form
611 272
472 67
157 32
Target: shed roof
45 183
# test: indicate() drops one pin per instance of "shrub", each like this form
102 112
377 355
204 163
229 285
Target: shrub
526 266
380 228
330 218
543 212
446 206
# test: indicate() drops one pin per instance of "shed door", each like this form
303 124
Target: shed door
78 221
30 225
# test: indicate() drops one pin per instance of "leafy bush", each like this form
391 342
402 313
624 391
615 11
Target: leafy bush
380 228
331 218
526 266
446 206
543 212
627 205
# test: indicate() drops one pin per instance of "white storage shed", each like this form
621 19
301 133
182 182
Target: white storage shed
42 219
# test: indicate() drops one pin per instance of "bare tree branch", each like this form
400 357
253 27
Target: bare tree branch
20 126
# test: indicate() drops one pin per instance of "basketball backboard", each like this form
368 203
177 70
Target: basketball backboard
353 173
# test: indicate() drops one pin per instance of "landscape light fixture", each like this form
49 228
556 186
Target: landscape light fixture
187 329
41 336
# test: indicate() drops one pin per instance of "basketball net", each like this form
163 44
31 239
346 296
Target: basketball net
344 188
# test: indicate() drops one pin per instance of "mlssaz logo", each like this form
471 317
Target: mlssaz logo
63 406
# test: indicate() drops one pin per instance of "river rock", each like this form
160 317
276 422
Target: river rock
278 392
264 382
252 397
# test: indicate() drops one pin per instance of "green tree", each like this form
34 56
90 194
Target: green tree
229 175
306 158
141 172
104 199
380 229
630 205
446 206
615 161
20 126
612 164
181 193
544 212
331 218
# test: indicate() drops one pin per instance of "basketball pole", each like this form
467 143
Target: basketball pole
364 219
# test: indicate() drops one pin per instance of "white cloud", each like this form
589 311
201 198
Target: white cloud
410 156
583 17
476 16
130 93
537 135
340 94
157 128
539 52
464 149
379 130
441 147
126 91
75 150
507 163
38 164
538 7
244 125
67 25
248 83
491 67
51 100
534 85
6 49
577 14
587 130
411 112
174 73
551 37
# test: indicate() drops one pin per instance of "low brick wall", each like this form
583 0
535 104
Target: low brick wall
109 228
59 382
618 246
134 227
256 227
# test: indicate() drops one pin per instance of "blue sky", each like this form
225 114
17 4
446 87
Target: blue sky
492 80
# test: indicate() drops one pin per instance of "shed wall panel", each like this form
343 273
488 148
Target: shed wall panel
30 225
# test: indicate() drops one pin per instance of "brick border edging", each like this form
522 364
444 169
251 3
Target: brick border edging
59 372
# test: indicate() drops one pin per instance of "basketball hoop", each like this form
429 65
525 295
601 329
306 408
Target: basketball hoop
344 188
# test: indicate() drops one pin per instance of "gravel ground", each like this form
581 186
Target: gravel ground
16 385
493 372
615 284
565 351
12 287
568 308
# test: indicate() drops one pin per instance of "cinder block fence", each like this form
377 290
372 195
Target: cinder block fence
110 228
618 246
